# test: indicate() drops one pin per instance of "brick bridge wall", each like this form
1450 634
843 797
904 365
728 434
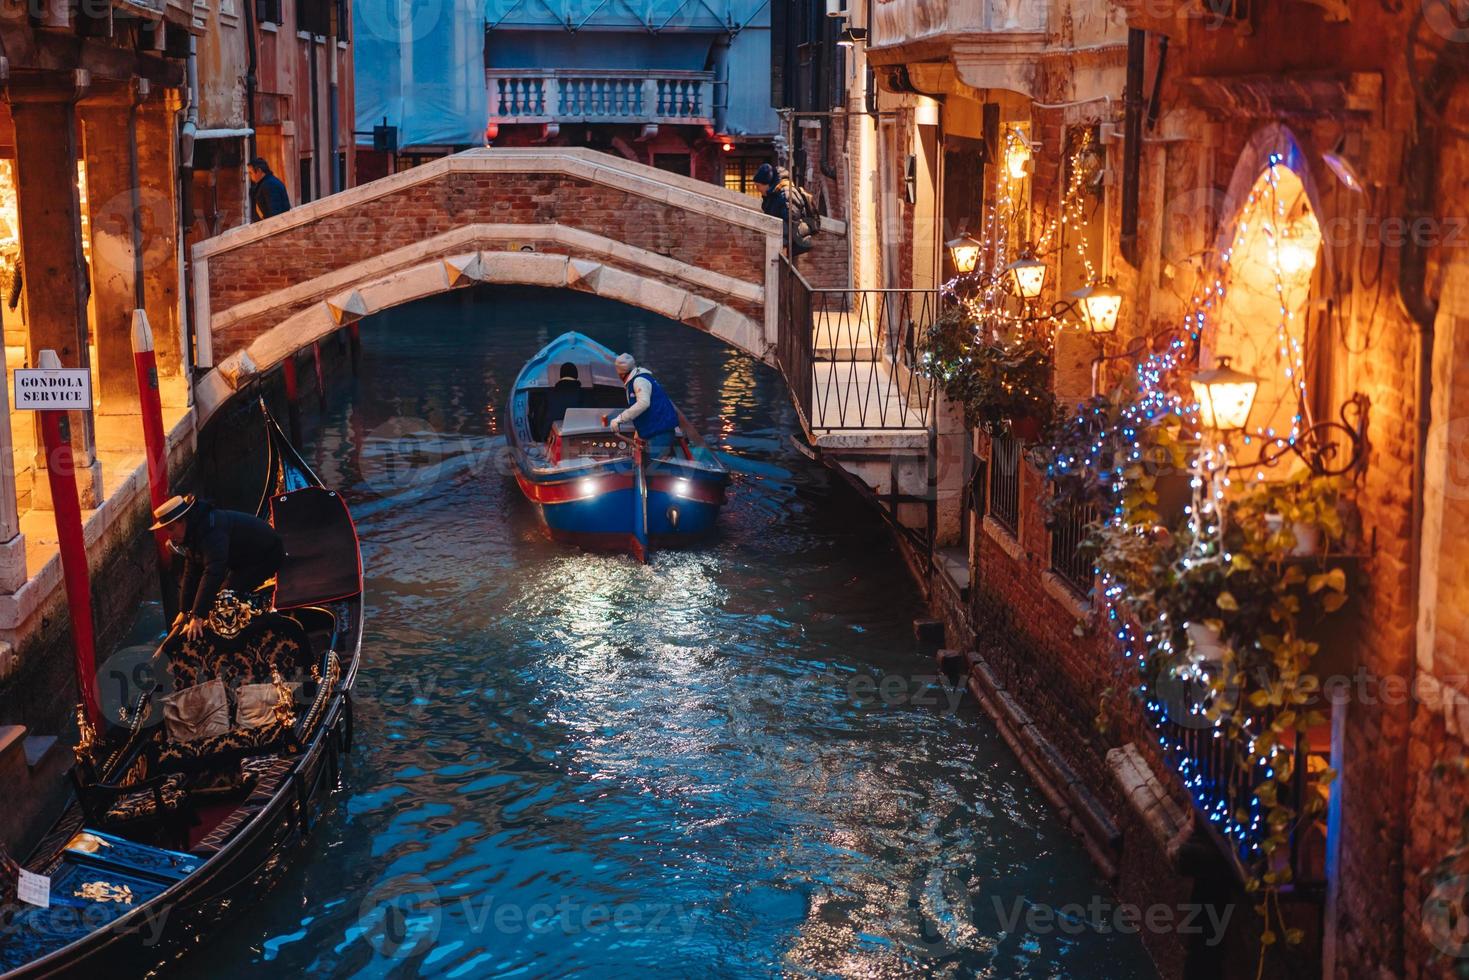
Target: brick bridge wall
253 277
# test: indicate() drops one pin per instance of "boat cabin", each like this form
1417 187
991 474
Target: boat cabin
571 385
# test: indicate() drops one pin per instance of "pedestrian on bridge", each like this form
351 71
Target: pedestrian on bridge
221 549
781 198
268 196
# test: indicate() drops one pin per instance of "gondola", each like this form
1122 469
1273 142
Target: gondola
163 833
595 486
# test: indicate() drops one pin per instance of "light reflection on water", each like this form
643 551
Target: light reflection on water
571 765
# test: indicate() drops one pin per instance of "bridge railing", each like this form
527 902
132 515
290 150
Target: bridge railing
534 95
853 356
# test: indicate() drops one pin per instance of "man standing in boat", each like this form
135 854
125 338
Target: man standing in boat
649 408
221 549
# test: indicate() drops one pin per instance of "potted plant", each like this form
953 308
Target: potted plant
997 381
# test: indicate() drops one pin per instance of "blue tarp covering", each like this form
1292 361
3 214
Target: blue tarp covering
420 64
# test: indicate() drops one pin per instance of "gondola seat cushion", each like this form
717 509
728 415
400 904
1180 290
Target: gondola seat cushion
201 711
266 645
143 804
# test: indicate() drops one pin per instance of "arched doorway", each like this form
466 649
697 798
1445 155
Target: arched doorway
1270 261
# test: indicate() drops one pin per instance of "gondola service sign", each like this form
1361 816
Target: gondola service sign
38 389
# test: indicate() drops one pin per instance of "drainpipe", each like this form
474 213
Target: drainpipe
191 118
315 78
183 181
333 124
719 64
251 64
1132 146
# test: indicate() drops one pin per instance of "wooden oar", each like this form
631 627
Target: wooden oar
640 504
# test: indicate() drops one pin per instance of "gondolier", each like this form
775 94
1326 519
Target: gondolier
221 549
649 408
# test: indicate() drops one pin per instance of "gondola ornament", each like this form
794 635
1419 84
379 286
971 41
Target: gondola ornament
231 614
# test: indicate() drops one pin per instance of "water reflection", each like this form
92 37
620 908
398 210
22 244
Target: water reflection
729 763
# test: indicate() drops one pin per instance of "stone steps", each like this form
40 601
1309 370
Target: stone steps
32 768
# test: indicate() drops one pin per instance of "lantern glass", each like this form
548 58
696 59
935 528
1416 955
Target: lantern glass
1028 275
1100 306
1017 157
1225 397
964 251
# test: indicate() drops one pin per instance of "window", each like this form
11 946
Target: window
342 171
1069 530
268 11
739 174
314 16
1005 481
306 185
674 163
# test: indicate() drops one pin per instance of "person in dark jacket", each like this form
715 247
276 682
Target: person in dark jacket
775 200
222 549
268 196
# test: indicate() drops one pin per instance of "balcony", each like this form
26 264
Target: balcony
902 22
538 96
991 43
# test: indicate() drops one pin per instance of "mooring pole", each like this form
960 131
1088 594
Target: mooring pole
61 474
320 375
155 446
145 364
293 408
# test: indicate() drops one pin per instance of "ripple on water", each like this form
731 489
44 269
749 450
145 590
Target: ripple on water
568 764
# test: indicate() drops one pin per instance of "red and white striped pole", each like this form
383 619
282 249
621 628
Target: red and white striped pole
151 406
61 474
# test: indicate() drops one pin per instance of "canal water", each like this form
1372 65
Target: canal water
734 762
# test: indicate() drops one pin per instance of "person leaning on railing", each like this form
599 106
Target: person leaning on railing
782 198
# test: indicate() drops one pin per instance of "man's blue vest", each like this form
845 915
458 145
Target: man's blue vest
660 416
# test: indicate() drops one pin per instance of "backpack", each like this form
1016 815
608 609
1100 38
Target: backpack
803 208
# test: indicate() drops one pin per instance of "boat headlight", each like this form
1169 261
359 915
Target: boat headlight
682 487
587 487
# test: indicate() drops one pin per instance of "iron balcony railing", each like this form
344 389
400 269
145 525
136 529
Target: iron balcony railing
540 96
854 357
1005 481
1068 530
867 358
1217 773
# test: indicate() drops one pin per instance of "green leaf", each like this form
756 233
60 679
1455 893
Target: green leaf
1293 937
1227 602
1333 601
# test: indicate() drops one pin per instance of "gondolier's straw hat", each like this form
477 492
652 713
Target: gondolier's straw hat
171 510
625 363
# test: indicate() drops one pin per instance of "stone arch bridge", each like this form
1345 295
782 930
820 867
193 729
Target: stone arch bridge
567 217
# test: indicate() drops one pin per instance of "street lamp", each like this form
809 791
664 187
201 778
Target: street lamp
1225 396
1017 155
964 251
1100 304
1028 273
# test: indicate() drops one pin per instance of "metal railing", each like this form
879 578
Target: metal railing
1068 531
853 357
1005 481
539 95
1223 786
867 350
793 349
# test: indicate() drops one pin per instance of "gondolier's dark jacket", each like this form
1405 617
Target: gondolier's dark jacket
216 543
